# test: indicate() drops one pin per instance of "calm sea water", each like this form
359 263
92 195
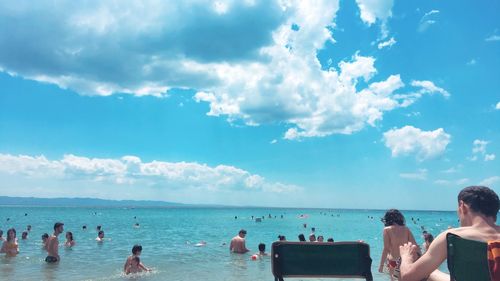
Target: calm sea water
168 236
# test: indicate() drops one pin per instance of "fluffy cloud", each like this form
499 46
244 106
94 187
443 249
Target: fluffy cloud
255 72
130 169
373 10
458 182
410 140
427 87
479 149
387 43
427 20
490 182
419 175
497 106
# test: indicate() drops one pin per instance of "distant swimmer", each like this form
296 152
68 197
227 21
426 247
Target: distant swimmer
100 236
28 227
10 246
321 238
237 244
24 235
84 227
70 242
281 238
312 237
235 217
261 253
302 238
258 220
25 214
98 228
45 238
8 219
136 225
53 244
330 240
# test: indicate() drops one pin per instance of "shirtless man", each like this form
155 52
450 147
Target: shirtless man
395 234
477 209
53 244
237 244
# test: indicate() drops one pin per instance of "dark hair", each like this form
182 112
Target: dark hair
392 217
480 199
330 240
8 236
70 235
281 237
262 247
58 224
24 234
45 236
302 238
1 232
428 237
100 232
99 227
136 248
242 231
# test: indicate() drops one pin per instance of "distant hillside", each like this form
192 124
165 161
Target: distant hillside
82 202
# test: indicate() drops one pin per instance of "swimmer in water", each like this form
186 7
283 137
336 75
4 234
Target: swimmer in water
45 238
10 246
28 228
98 228
262 250
321 238
136 225
100 236
53 244
302 238
24 235
135 266
70 242
84 227
136 252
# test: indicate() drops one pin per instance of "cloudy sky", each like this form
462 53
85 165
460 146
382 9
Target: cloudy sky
341 104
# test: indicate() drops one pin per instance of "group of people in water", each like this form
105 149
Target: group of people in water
50 244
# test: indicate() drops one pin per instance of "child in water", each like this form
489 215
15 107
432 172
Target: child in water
135 266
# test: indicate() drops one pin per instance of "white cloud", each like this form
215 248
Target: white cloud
458 182
489 157
490 182
472 62
497 106
492 38
373 10
387 43
479 149
410 140
427 20
427 87
130 169
248 71
420 175
273 141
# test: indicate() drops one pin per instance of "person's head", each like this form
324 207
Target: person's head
136 260
302 238
58 227
136 250
262 247
45 236
312 238
477 200
393 217
282 237
98 228
313 229
69 236
28 227
11 235
242 233
84 227
100 234
24 235
321 238
330 240
428 238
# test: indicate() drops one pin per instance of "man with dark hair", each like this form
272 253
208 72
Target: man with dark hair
53 244
477 210
237 244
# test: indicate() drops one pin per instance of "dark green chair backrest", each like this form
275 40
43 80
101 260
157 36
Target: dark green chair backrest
467 259
321 260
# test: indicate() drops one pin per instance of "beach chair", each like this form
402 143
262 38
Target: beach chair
321 260
467 259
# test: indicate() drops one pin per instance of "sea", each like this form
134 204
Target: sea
169 237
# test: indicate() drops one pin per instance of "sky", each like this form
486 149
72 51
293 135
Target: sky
333 104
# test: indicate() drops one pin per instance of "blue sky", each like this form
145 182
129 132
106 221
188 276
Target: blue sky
341 104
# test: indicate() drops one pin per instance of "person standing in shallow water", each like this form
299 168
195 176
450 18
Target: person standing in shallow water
237 244
53 244
10 246
395 234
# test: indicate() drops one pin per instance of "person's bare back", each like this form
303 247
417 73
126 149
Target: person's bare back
397 235
237 244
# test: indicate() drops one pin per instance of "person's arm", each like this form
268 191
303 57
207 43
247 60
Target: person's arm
231 246
125 266
245 246
141 265
383 258
412 270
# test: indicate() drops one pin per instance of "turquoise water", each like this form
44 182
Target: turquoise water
168 236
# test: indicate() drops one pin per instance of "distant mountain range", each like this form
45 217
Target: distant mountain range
84 202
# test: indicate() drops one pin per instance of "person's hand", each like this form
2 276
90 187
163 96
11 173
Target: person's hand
408 251
381 268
